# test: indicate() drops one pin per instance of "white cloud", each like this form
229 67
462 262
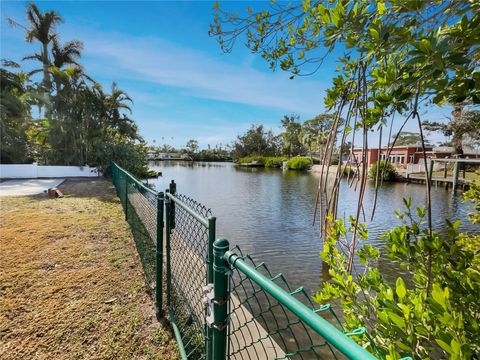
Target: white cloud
198 74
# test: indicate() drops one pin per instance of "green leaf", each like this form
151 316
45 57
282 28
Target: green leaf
306 5
339 8
444 346
400 288
389 294
381 8
425 46
355 9
396 319
334 16
421 212
439 296
374 34
457 349
456 224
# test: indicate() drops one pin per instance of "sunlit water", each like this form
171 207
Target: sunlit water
268 213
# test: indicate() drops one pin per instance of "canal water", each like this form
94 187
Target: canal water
268 212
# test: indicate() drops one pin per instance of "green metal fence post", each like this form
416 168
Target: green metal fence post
221 297
159 258
112 166
126 199
173 190
167 245
211 239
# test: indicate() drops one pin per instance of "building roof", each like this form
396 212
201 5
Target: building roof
418 145
450 149
443 149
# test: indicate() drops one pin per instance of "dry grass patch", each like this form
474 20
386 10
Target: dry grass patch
71 285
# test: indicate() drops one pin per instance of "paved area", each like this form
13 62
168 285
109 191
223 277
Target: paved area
25 187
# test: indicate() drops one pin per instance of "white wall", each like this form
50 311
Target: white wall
32 171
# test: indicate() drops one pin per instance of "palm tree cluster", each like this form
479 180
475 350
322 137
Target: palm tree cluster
78 122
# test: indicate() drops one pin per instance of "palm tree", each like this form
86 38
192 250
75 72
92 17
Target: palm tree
16 99
42 29
66 54
316 132
115 103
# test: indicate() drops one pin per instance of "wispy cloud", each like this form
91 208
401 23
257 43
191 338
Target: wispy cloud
201 75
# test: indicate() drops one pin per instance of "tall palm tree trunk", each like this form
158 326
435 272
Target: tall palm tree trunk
46 66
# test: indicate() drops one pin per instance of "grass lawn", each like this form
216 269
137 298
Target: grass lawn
71 284
470 175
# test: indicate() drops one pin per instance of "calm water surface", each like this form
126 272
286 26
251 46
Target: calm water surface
268 212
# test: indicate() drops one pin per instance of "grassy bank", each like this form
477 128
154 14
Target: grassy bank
71 284
267 161
299 163
295 163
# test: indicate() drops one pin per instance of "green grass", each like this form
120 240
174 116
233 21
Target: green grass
299 163
267 161
274 161
76 255
251 158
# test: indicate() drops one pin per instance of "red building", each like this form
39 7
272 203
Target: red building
412 154
399 155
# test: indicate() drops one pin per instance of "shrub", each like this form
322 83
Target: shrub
433 312
299 163
130 156
274 161
387 171
347 170
250 158
335 160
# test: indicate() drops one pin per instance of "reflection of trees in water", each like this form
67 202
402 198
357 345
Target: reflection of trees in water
185 163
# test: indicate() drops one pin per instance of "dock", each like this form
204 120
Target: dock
450 173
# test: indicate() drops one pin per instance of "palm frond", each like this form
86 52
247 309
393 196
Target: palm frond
35 56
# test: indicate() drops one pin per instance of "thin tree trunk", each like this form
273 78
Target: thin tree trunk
46 66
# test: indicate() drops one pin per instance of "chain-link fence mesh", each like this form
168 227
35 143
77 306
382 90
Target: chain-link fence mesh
189 253
259 326
262 328
140 205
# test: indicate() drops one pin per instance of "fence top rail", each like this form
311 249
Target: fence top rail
329 332
459 160
184 206
138 182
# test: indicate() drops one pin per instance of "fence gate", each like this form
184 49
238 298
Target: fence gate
190 233
220 302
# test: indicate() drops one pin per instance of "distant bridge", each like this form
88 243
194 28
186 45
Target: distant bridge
153 155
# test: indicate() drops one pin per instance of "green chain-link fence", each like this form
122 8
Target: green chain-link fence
222 304
270 320
190 230
140 204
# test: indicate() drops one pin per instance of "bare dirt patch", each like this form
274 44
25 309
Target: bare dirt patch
71 285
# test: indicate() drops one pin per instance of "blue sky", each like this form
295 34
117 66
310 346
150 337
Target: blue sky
182 85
